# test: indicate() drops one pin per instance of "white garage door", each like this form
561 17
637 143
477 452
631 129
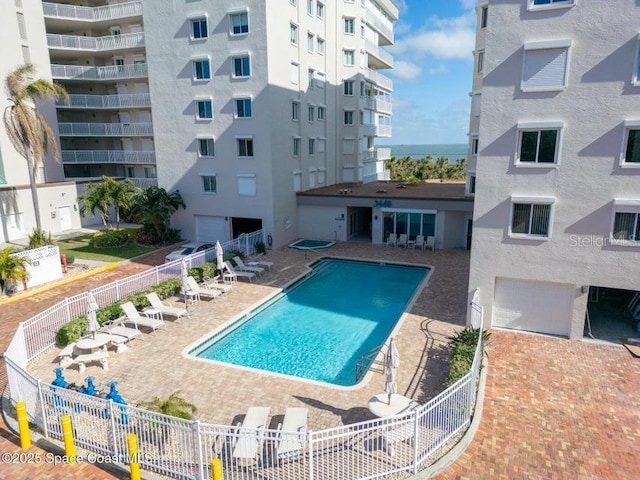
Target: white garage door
210 228
533 306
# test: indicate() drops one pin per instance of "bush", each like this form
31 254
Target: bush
196 273
260 247
233 253
110 238
209 270
169 288
72 331
70 259
464 347
39 238
149 236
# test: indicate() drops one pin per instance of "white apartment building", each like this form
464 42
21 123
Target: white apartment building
557 197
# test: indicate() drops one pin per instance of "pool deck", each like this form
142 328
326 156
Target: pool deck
155 366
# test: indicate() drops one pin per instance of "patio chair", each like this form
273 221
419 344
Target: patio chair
431 243
213 283
238 273
164 308
117 329
419 242
240 265
134 316
392 240
261 263
402 240
200 290
294 428
248 445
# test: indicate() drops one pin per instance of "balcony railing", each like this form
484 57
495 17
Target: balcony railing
378 52
112 72
105 129
109 156
106 101
376 155
96 44
375 18
107 12
371 130
379 105
379 79
144 182
375 171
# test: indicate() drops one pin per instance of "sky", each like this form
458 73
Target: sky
432 74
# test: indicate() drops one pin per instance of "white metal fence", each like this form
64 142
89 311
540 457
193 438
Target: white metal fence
392 447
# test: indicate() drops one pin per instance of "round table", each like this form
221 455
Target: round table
91 344
381 407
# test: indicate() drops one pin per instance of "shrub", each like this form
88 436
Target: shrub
169 288
39 238
149 236
196 273
464 347
233 253
72 331
110 238
208 270
260 247
70 259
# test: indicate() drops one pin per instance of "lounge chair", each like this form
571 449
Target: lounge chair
163 308
419 242
294 429
431 243
239 273
248 445
260 263
246 268
117 329
224 288
133 316
202 291
392 239
402 240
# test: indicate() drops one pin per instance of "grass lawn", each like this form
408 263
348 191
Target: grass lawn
80 248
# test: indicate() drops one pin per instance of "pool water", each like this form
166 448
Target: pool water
311 244
320 327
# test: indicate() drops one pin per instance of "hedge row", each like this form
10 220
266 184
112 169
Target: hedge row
464 347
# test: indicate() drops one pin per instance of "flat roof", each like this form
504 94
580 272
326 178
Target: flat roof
427 190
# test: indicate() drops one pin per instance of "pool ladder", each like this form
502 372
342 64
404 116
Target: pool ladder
366 360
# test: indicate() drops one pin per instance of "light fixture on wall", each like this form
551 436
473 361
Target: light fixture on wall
584 289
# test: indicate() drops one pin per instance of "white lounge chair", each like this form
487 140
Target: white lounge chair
164 308
246 268
248 445
200 290
259 262
238 273
294 429
117 329
224 288
134 316
392 239
402 240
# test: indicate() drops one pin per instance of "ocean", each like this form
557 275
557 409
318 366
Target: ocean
453 151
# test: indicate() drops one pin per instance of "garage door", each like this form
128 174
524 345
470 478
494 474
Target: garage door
542 307
210 228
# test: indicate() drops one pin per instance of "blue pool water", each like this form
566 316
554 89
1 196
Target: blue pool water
311 244
322 325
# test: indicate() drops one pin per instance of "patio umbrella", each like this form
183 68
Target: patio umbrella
184 272
393 361
92 319
219 256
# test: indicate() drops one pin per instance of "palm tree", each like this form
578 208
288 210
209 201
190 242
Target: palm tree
174 406
27 129
95 199
154 208
13 268
100 197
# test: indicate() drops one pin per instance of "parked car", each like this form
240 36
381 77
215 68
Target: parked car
187 249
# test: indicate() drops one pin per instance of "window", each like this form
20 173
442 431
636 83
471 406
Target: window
472 184
293 2
321 113
631 150
243 108
531 217
474 145
484 15
476 104
320 79
241 67
348 146
295 73
539 142
310 7
296 146
322 175
545 66
320 46
319 10
246 184
310 75
295 111
626 220
129 171
349 25
349 57
297 180
348 117
541 4
205 147
310 42
245 147
321 145
239 23
204 109
348 87
201 69
208 183
199 28
294 34
480 65
312 146
312 113
150 172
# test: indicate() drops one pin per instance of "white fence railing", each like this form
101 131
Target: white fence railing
106 12
96 44
106 101
110 72
105 129
378 52
393 446
109 156
379 79
379 20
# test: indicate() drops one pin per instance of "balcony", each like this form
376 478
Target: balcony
88 14
375 171
380 80
379 105
95 44
374 17
371 130
112 72
144 182
376 155
106 101
384 58
109 156
105 129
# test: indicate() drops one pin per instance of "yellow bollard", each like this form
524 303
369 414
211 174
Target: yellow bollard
23 425
134 465
216 469
67 435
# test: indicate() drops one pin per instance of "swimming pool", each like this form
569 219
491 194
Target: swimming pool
305 244
321 326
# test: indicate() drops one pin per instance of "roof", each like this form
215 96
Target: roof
430 189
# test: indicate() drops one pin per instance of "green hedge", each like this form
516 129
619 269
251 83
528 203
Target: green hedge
464 347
